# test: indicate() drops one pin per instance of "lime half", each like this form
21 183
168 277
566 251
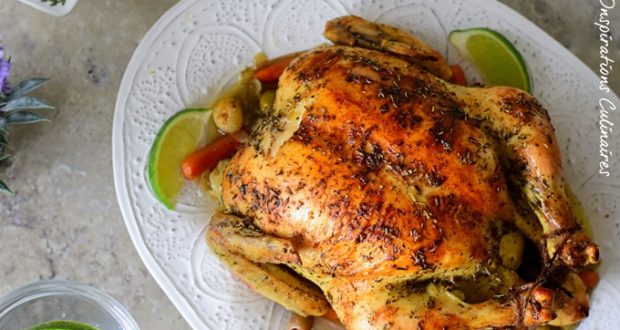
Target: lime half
497 60
177 138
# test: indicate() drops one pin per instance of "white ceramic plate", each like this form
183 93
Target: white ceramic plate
199 46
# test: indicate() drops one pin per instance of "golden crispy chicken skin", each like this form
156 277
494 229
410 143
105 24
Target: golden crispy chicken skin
400 200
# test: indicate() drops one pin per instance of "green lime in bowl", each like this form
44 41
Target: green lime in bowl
63 325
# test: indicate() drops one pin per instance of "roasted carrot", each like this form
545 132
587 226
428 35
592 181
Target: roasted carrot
589 278
458 76
207 157
331 315
272 70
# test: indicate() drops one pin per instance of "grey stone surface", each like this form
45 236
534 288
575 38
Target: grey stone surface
571 22
63 220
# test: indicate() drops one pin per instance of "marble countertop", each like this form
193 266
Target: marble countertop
63 220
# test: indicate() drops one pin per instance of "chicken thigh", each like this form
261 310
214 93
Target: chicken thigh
402 201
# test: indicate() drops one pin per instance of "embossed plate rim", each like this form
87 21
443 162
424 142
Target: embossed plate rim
118 161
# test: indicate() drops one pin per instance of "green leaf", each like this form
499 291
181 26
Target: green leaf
3 138
4 188
24 117
26 102
54 3
26 87
3 125
4 156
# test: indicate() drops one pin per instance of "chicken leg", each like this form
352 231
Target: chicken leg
257 259
524 127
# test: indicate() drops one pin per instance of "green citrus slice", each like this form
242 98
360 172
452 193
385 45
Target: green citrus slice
497 60
176 139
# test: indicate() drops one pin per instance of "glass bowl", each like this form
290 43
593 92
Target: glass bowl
52 300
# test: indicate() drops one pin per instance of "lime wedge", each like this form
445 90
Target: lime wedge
176 139
497 60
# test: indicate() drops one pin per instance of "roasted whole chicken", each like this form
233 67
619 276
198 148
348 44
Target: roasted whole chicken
377 188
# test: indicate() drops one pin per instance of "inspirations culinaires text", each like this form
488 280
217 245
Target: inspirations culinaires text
605 67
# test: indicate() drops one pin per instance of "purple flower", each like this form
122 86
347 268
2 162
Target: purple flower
5 70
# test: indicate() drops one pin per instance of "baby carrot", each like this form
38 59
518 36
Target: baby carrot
207 157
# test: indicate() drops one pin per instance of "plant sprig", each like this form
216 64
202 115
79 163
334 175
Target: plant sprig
54 3
13 106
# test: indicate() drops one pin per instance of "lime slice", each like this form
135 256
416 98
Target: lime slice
176 139
497 60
